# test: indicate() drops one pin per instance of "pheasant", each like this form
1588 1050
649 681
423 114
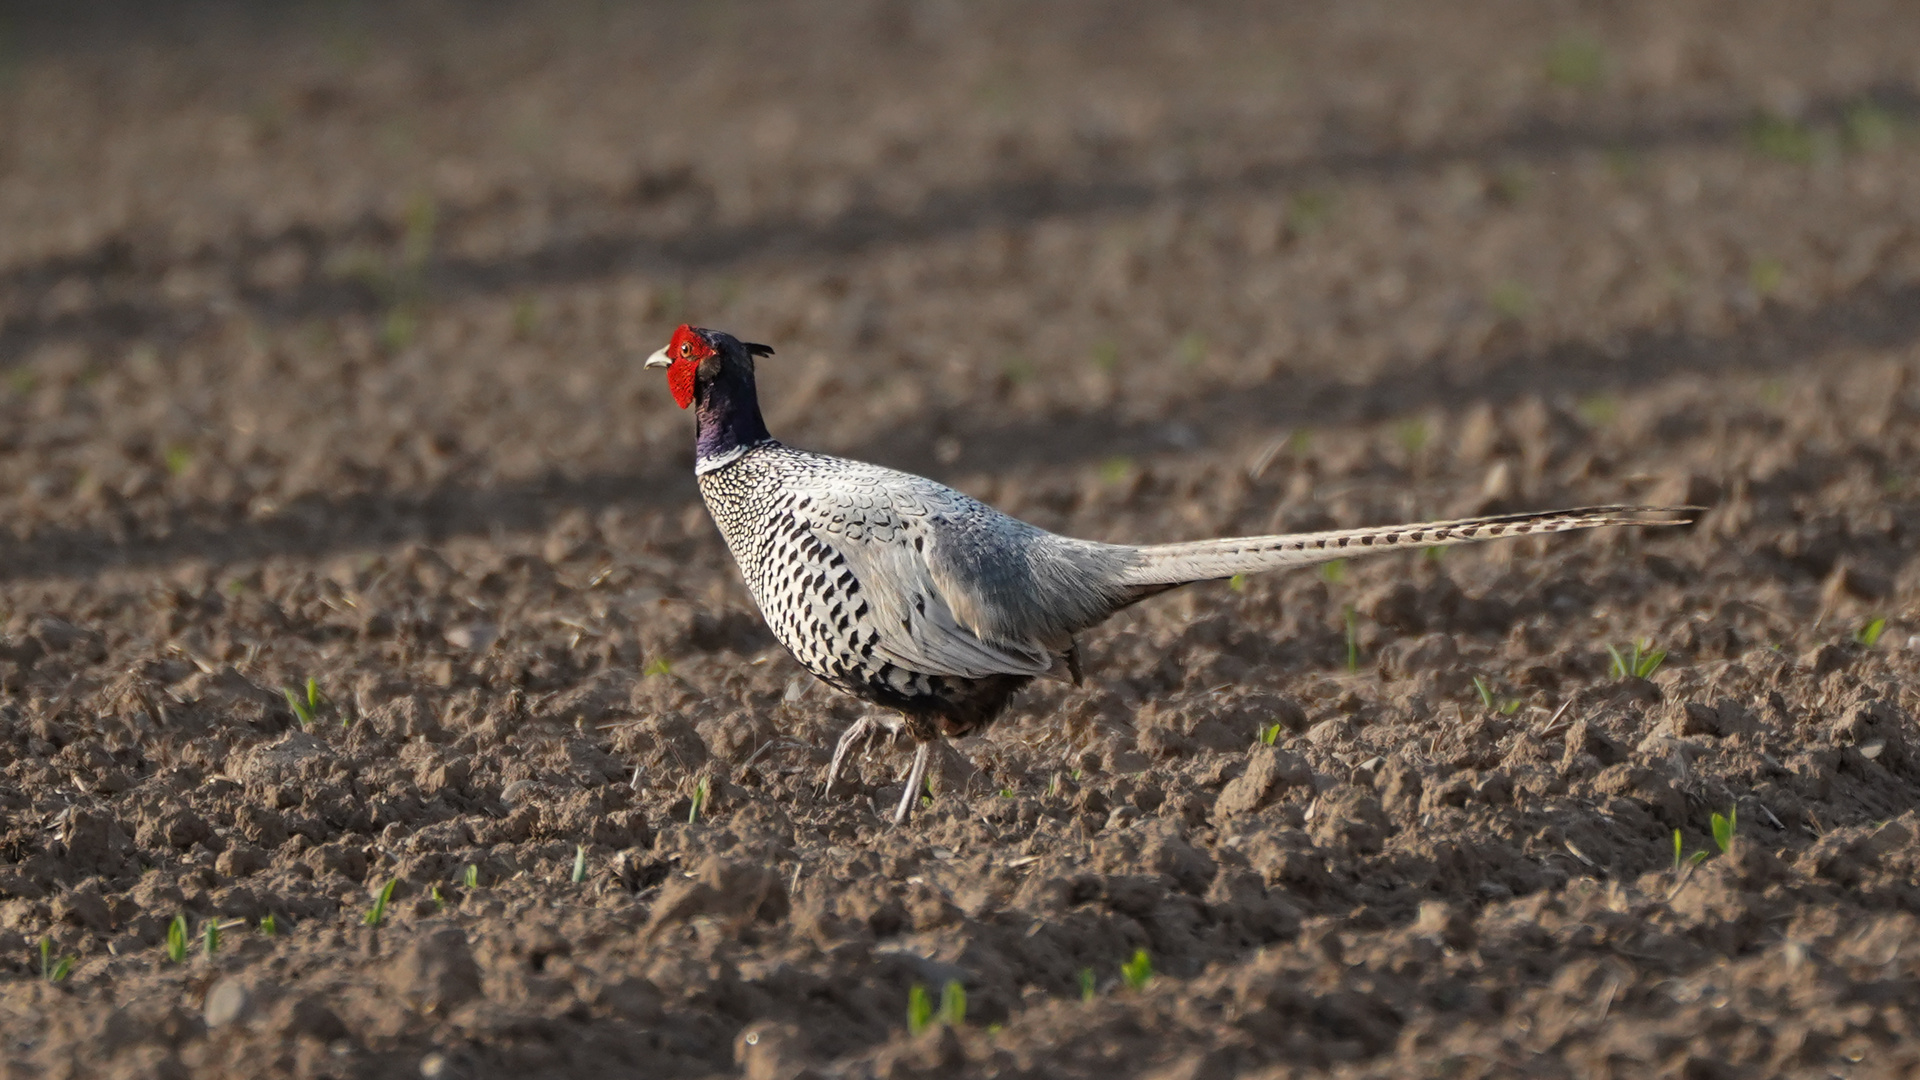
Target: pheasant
907 594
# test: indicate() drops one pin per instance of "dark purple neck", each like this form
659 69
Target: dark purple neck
727 416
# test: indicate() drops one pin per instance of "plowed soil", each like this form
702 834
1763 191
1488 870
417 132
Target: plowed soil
349 552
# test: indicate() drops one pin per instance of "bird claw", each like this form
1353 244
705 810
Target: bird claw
862 730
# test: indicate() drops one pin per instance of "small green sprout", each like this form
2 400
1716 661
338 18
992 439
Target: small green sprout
919 1009
1576 61
1116 470
1780 138
1640 663
269 926
1870 127
1006 793
1238 583
1765 275
1870 633
1511 299
1270 735
210 937
1353 639
1137 971
1333 571
1193 348
53 969
1412 436
177 935
177 459
953 1004
1487 698
701 789
1087 989
660 666
307 705
377 914
470 877
579 864
1724 827
1053 786
1308 211
439 900
526 317
1598 410
1679 850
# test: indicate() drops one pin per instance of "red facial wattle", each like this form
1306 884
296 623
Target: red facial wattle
680 379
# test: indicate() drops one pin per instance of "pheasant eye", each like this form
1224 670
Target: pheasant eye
686 348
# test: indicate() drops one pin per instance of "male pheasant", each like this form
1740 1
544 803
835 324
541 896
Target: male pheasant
908 594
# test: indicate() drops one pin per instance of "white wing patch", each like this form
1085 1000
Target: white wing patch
885 535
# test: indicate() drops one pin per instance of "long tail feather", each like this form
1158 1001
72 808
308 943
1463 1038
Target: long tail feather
1207 560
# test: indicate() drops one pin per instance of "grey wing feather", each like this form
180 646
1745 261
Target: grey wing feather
957 588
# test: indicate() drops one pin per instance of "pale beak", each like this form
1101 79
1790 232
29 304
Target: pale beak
659 359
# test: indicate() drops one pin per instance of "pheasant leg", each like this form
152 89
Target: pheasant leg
916 777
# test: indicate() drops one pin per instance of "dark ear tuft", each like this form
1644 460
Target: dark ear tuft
758 350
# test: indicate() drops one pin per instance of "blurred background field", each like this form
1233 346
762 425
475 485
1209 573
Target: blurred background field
320 331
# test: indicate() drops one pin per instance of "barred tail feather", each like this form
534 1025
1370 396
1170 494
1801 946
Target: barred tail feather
1208 560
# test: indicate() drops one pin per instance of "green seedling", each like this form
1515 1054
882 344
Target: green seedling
1308 211
56 969
210 937
1679 850
660 666
269 926
1270 735
1193 348
1333 572
1504 708
701 789
1765 275
1640 663
1724 827
470 877
1006 793
306 703
1598 410
1778 137
1412 436
953 1004
377 914
1115 470
1577 62
1087 988
177 939
1511 299
1137 971
1870 633
919 1009
177 459
1238 583
1870 127
1353 639
439 900
579 864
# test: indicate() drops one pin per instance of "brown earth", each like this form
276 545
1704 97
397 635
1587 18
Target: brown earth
321 328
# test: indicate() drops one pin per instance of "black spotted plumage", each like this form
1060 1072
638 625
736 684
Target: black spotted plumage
908 594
